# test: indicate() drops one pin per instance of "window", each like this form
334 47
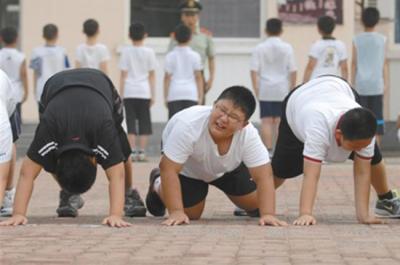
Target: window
397 22
224 18
9 14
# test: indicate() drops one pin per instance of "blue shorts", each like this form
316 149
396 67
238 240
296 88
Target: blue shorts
375 104
270 109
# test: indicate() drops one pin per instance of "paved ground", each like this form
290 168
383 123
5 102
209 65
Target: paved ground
219 238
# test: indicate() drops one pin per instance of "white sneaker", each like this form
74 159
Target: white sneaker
142 156
7 207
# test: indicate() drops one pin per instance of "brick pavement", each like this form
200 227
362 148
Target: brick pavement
219 238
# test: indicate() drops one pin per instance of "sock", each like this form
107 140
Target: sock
386 196
157 185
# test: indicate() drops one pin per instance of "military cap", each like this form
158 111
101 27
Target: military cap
190 6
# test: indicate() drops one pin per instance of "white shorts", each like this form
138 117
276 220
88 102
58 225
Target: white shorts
6 141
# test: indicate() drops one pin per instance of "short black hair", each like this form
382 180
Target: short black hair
326 24
90 27
358 124
370 17
50 31
9 35
273 26
241 98
182 33
137 31
75 172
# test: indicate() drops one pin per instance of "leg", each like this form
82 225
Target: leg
278 182
10 178
132 140
267 131
275 128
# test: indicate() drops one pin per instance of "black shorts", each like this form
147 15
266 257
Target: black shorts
235 183
288 160
125 146
178 105
270 109
138 110
15 122
375 104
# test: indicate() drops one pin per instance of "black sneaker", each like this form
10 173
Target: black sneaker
388 208
153 202
240 212
69 204
134 206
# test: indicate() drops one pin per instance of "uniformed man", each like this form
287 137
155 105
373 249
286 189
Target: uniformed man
201 40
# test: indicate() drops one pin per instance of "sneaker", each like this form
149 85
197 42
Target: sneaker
7 207
134 206
134 156
153 202
388 208
69 204
141 157
241 212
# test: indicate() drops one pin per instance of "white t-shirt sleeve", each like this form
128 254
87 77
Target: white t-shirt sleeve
5 141
254 61
255 154
152 62
314 50
316 142
123 61
342 52
168 67
197 65
292 62
79 54
104 54
178 144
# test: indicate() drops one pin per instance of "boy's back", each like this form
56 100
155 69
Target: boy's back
370 48
10 62
328 53
47 61
91 56
138 61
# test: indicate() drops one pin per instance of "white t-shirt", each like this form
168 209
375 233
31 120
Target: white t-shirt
138 61
91 56
47 61
328 53
274 61
181 63
186 140
7 107
313 112
10 62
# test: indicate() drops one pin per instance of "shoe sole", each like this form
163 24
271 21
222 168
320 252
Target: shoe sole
385 214
150 191
67 212
136 212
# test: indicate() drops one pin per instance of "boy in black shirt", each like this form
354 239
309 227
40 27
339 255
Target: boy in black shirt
80 126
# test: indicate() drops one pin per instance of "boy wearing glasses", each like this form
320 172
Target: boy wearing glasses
217 146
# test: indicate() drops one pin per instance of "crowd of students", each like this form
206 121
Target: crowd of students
202 145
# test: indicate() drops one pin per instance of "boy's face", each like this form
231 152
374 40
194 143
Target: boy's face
189 19
225 119
351 145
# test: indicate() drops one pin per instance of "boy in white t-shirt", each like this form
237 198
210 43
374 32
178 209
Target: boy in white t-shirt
7 152
217 145
47 60
322 121
13 63
327 55
273 74
137 87
92 54
183 81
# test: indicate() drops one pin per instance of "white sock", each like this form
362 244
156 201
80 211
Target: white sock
157 185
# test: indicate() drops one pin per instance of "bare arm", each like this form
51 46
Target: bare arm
4 171
309 69
344 70
152 83
29 171
199 85
312 171
353 65
104 67
254 82
116 178
24 80
211 70
362 183
167 82
124 75
171 191
263 178
293 79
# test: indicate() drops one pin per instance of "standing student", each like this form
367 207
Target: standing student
13 63
48 59
183 81
322 121
92 54
138 82
201 42
273 74
327 55
370 72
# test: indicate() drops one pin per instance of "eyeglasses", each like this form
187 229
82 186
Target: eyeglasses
231 117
